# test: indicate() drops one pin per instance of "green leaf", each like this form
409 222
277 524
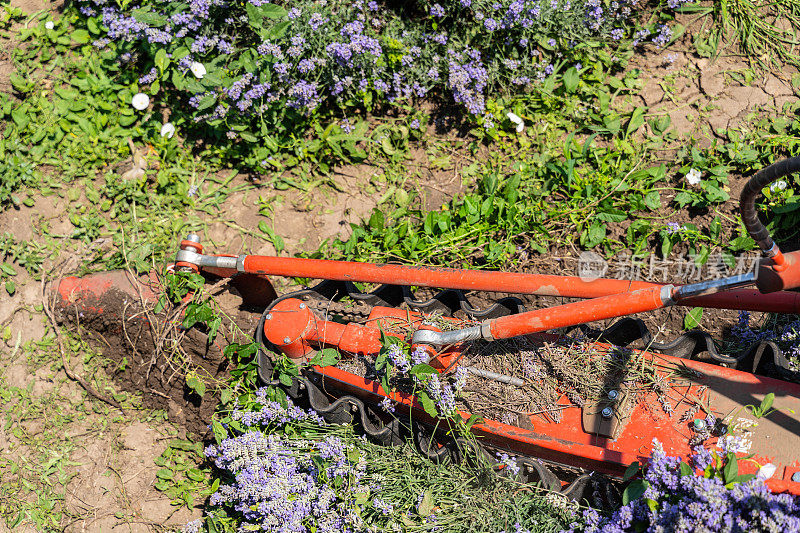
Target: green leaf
330 356
206 102
766 403
571 79
474 419
693 318
7 269
80 36
426 506
634 491
636 121
715 227
11 287
427 404
195 474
180 444
161 60
731 470
285 379
278 30
194 382
593 235
422 369
661 124
653 200
272 11
220 434
686 470
145 16
165 473
631 471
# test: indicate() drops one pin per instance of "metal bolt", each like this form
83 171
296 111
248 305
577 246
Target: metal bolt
353 407
268 317
302 306
796 477
612 394
193 237
286 340
607 412
699 425
301 386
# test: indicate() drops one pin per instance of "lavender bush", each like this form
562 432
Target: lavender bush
256 75
674 499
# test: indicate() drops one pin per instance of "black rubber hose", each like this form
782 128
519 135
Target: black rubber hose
752 190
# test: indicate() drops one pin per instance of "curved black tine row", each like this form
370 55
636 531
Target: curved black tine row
595 489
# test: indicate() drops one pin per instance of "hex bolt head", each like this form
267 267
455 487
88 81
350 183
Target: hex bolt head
301 386
268 317
699 425
613 394
607 412
302 306
353 407
286 340
796 477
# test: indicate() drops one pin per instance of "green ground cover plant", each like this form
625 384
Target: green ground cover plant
255 77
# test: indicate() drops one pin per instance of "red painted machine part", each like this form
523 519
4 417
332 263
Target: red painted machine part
566 442
575 313
92 288
509 282
779 276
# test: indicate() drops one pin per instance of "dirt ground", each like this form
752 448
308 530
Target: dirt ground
106 458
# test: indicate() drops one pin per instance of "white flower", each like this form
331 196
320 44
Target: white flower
516 120
693 177
777 186
140 101
766 471
49 25
198 70
168 130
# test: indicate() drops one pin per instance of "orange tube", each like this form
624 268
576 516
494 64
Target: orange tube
511 282
576 313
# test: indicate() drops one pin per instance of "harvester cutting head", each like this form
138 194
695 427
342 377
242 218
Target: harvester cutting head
574 403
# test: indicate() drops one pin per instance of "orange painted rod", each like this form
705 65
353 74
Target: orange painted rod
575 313
510 282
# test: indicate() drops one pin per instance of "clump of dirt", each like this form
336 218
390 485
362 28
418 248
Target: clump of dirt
152 354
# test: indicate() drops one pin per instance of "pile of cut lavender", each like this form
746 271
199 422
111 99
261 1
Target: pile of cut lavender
285 470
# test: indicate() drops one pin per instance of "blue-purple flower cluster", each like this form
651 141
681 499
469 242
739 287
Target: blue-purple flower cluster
284 484
236 62
688 503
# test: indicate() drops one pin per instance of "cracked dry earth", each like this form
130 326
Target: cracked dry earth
705 97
